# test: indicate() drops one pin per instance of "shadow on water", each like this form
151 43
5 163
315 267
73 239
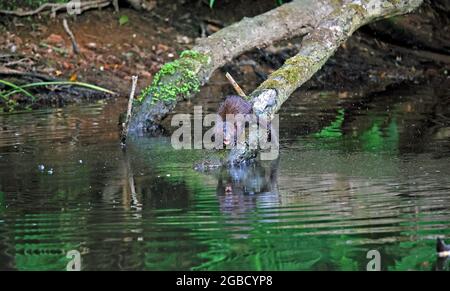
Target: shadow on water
352 177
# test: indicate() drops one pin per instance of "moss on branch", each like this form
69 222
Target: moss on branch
177 79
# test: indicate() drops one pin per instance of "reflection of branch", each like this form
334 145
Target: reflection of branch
442 264
134 200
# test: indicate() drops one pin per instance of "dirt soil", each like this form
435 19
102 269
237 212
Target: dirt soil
110 52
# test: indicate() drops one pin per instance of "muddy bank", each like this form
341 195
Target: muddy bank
110 52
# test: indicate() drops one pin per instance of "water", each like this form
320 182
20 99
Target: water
352 177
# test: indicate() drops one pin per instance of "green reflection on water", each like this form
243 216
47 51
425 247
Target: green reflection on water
39 250
334 129
198 235
380 136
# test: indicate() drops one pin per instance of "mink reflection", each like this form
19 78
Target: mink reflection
241 189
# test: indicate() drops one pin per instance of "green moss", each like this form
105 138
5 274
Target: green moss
195 55
394 2
294 70
176 79
271 83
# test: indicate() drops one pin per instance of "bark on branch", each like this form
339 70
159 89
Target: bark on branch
319 46
316 49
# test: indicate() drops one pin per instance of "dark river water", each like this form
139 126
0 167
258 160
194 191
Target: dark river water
352 177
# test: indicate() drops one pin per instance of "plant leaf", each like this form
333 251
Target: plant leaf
81 84
123 20
17 89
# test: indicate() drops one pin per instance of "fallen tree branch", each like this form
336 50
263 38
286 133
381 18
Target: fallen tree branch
318 46
316 49
330 23
296 18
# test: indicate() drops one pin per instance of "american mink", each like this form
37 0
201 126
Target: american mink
234 105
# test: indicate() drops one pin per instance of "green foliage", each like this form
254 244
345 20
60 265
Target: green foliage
11 103
16 88
54 83
194 55
334 129
123 20
181 81
185 85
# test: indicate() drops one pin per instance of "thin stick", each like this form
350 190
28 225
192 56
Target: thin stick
130 107
235 85
71 36
54 7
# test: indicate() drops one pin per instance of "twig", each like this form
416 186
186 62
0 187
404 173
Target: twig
76 50
54 7
213 21
130 107
23 61
235 85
